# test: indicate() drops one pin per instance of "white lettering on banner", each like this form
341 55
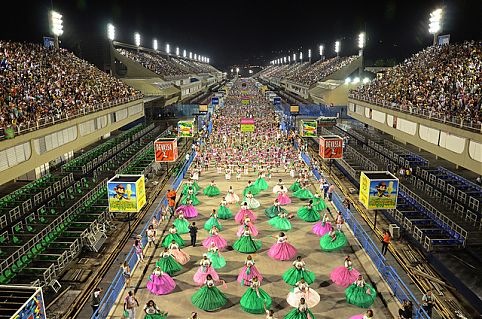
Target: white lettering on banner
163 147
333 143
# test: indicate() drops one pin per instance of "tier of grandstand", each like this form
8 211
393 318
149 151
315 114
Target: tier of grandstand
307 73
440 82
40 85
166 65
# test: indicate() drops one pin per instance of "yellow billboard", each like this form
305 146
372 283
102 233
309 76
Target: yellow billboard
378 190
127 193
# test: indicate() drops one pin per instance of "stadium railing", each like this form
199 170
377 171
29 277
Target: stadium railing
450 120
389 274
30 126
115 289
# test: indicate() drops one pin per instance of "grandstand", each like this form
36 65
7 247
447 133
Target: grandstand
41 87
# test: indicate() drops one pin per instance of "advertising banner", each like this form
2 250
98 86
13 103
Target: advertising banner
127 193
331 147
308 128
245 101
247 125
165 150
294 108
185 128
277 101
215 101
378 190
34 308
204 107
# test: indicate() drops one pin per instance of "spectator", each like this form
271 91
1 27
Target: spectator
427 303
95 301
130 305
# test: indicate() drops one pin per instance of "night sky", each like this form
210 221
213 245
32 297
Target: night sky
246 32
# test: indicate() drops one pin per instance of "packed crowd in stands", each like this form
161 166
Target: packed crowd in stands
306 73
320 69
163 66
442 82
42 84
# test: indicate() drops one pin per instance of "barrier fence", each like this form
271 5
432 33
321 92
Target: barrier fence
389 274
115 288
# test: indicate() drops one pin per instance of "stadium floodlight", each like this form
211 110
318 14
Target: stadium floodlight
154 44
56 23
365 80
232 70
190 55
301 56
289 58
321 48
347 80
184 53
177 51
168 48
435 23
356 80
294 57
250 71
337 47
195 56
361 40
237 70
309 53
284 59
110 32
208 60
137 39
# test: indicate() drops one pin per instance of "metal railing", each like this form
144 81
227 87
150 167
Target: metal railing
41 123
450 120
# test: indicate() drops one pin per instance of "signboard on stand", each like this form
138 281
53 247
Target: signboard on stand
331 147
308 128
165 150
127 193
203 108
215 101
294 109
378 190
245 101
247 125
185 128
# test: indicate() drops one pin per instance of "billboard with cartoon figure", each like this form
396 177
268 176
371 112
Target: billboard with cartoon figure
378 190
127 193
247 125
185 128
165 150
308 128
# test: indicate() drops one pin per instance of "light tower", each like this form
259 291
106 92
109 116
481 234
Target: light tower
435 24
361 46
110 32
155 45
309 55
321 48
137 40
56 26
337 48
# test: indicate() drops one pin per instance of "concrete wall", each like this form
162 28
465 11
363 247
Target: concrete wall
459 146
26 152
